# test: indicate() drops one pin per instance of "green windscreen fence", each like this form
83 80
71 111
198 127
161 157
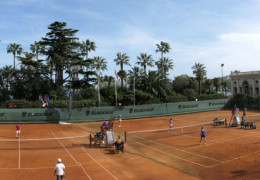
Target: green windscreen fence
54 115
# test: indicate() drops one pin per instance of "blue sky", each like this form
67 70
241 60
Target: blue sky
209 32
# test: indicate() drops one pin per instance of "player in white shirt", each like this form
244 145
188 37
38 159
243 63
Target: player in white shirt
59 170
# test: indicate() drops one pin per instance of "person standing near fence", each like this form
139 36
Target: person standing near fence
120 120
244 111
18 130
171 124
59 170
203 135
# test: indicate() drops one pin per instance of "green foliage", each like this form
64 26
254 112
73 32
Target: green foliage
190 94
243 100
89 93
176 98
210 96
142 97
22 103
180 83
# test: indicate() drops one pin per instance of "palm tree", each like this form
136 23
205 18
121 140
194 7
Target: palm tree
163 47
99 64
167 65
152 83
36 48
225 84
28 60
15 49
88 46
216 82
122 59
208 83
200 73
145 60
109 80
122 74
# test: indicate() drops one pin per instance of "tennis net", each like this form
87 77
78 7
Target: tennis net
252 118
44 143
193 129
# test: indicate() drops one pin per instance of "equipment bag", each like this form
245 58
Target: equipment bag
243 122
253 126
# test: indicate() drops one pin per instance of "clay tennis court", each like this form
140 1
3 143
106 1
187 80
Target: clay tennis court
230 153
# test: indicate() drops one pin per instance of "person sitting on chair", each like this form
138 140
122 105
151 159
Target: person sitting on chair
119 144
104 126
216 119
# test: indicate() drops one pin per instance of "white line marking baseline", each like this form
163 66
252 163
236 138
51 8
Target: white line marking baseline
181 150
41 167
174 156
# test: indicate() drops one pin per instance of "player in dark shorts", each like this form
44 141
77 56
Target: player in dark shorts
171 124
203 135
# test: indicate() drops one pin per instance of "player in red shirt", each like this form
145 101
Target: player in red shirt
18 130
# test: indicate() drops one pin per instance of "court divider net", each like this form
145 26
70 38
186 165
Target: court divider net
44 143
193 129
252 118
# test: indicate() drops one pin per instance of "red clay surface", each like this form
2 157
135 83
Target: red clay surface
230 153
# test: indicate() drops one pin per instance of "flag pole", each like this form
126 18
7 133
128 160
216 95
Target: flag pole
98 88
115 92
134 89
115 87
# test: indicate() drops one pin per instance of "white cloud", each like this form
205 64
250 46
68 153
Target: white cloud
238 51
136 39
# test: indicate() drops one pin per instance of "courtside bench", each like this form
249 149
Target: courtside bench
219 122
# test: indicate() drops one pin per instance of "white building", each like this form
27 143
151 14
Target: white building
245 82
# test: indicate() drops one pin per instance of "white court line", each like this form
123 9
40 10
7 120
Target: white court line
19 153
174 156
242 156
40 167
85 171
99 164
81 164
66 149
236 158
180 149
216 142
45 139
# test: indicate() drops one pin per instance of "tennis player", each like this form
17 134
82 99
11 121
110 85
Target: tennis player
120 120
171 124
59 170
18 130
203 135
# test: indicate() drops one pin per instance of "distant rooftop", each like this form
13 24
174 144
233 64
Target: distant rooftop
244 73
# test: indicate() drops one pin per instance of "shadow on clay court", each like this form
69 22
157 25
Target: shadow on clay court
110 151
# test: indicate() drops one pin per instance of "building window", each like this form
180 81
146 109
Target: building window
256 81
246 89
235 90
257 91
235 82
